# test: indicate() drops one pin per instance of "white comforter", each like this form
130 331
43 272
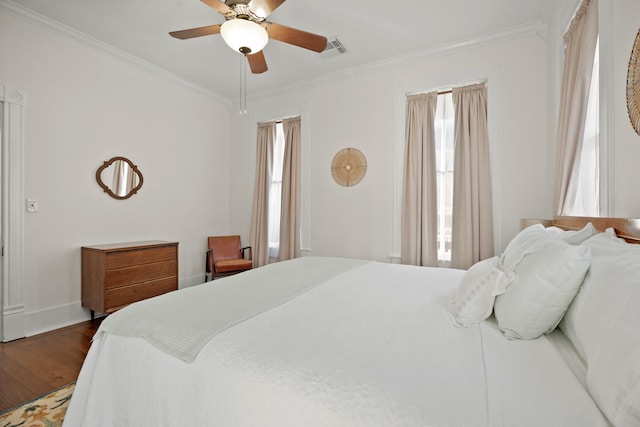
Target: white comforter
373 346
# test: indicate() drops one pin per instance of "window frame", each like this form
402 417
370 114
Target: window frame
272 115
606 94
492 75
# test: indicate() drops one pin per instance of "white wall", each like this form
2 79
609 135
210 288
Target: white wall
84 106
626 22
357 110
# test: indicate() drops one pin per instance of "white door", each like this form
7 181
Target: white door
12 314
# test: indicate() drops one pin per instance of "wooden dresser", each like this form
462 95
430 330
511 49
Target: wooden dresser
118 274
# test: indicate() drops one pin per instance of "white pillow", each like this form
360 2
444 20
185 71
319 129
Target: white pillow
573 237
536 237
529 240
477 291
485 280
589 315
546 281
603 322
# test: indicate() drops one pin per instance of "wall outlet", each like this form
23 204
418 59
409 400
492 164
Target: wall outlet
32 205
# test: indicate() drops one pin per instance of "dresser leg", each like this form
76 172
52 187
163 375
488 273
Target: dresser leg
93 313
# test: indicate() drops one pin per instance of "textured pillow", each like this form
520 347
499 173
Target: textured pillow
573 237
589 315
475 296
477 291
525 242
546 281
536 237
603 322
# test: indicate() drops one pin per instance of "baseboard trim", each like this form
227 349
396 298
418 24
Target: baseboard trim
13 323
37 322
52 318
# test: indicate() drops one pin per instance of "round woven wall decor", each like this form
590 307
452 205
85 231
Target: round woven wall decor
633 85
348 167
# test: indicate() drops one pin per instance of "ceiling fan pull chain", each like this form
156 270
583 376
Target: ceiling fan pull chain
243 85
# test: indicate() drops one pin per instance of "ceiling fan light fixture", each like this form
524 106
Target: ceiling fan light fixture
244 36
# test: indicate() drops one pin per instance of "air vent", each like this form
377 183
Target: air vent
334 48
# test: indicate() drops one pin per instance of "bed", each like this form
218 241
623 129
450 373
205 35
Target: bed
337 342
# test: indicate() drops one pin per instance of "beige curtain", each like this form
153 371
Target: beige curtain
259 235
290 206
472 221
419 196
580 46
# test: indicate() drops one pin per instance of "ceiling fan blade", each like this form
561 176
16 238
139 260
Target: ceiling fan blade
219 6
196 32
264 8
257 62
295 37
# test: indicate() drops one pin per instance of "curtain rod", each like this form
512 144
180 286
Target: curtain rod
448 91
280 120
440 92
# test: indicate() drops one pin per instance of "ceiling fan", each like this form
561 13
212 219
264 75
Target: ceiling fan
247 31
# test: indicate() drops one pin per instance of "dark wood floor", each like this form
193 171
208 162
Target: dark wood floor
33 366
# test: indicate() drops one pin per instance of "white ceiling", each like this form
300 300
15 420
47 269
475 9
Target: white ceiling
372 31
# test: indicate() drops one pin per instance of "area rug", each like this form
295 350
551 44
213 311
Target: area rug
45 411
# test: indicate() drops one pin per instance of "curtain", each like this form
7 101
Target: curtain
580 44
472 221
259 235
419 196
290 205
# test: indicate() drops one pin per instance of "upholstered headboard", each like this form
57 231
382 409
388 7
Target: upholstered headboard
628 229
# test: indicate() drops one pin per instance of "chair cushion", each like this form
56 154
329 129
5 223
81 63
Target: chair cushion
233 265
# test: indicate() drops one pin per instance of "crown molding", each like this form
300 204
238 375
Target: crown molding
536 27
42 21
532 28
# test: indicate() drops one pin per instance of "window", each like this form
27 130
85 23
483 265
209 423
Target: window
587 201
444 133
580 174
275 192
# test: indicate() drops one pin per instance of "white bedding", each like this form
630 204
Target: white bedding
373 346
181 323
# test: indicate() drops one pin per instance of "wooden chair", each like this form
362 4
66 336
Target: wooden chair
226 256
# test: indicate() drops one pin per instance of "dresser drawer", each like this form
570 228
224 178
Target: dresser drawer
116 298
140 273
117 274
140 256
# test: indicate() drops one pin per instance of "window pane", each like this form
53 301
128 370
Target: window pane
449 143
278 153
444 170
275 192
587 201
274 213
